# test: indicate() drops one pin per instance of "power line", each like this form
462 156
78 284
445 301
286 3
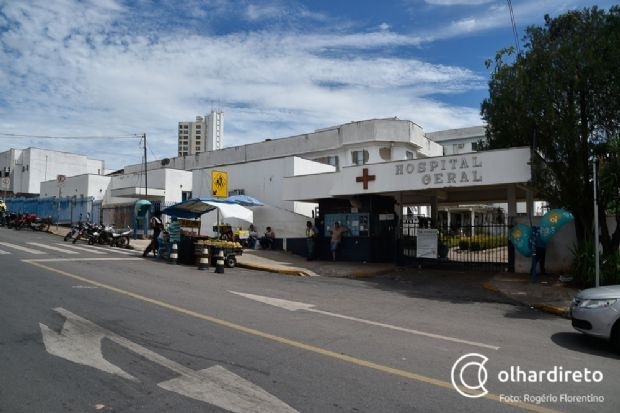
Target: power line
4 135
514 27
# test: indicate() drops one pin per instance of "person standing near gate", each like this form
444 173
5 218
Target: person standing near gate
336 238
157 226
311 235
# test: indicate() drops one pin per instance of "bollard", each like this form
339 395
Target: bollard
219 264
204 258
174 254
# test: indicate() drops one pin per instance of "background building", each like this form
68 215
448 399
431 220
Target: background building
204 135
29 167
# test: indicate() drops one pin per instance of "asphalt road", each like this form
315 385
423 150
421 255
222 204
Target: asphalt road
92 329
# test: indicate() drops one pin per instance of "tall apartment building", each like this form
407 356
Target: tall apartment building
204 135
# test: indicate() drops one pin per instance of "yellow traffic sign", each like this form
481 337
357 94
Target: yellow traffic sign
219 183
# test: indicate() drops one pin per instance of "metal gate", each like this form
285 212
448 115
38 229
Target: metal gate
480 247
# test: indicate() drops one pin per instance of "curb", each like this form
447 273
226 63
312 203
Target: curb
559 311
293 271
547 308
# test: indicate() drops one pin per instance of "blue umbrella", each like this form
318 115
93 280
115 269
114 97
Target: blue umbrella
552 222
193 208
520 236
244 200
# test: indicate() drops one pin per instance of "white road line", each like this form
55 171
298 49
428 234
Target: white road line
113 250
50 247
88 249
295 306
2 252
20 248
84 259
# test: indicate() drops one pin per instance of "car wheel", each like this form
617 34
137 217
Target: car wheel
615 336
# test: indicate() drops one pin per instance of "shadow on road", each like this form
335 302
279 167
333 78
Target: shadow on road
585 344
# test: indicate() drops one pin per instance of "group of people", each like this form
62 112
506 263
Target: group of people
266 241
312 234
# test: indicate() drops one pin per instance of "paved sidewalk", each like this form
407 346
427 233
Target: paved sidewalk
548 294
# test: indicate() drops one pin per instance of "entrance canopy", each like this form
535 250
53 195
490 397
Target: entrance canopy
486 176
195 207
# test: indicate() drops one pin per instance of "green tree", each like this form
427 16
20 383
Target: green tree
560 96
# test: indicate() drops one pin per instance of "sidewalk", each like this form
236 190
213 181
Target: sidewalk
548 294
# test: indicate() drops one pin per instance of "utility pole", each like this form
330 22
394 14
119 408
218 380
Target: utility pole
146 182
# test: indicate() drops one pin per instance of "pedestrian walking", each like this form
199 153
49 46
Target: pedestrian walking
336 239
157 226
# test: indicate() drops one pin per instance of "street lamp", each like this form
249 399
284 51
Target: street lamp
596 241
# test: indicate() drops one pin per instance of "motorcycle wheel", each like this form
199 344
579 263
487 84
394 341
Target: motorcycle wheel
123 242
91 241
67 237
75 239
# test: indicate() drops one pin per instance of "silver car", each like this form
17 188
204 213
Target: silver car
596 312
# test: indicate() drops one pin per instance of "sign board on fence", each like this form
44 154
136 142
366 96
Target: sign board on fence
427 243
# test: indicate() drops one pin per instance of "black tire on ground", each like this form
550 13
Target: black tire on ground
230 261
615 336
122 242
67 237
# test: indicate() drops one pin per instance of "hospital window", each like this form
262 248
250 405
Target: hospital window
409 155
359 157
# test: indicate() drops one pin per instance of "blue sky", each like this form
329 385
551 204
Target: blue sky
276 68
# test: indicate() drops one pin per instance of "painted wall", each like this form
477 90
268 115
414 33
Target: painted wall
262 180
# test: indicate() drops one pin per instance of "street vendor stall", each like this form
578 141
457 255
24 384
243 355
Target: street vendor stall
192 244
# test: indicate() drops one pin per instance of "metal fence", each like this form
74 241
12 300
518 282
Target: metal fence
63 211
484 247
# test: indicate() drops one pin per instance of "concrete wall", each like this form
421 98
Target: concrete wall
94 186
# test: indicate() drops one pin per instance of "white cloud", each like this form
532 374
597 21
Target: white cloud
84 69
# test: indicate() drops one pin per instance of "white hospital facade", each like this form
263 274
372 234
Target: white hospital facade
440 174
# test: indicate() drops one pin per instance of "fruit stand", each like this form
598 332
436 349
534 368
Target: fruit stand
231 250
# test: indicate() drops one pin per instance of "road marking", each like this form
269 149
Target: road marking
83 259
114 250
79 341
50 247
3 252
21 248
292 343
76 247
295 306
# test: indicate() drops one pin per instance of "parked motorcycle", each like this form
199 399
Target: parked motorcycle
85 232
121 239
39 224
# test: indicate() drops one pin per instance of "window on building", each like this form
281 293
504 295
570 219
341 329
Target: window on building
409 155
474 146
359 157
329 160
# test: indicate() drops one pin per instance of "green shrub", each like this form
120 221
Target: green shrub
584 267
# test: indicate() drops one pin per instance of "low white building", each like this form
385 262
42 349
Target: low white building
29 167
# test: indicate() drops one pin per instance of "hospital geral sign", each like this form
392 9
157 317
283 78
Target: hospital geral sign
445 171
